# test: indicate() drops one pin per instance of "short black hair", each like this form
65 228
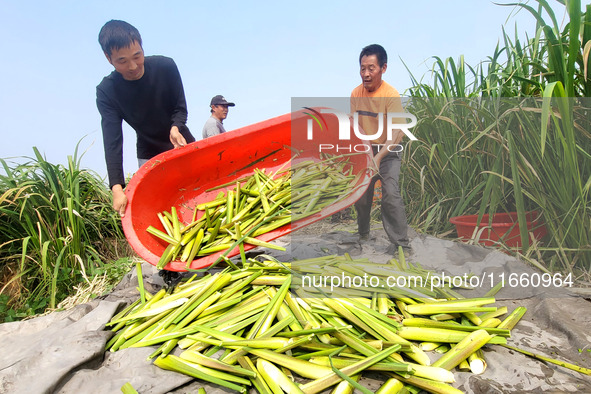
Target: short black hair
117 34
375 49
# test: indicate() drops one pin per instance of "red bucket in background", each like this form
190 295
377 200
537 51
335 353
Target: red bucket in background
503 226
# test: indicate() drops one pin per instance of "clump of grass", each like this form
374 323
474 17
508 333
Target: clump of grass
512 134
55 221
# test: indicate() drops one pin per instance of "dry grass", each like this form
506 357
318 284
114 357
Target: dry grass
113 249
11 283
85 292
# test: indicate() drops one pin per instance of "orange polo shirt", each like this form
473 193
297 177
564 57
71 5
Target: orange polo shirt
369 104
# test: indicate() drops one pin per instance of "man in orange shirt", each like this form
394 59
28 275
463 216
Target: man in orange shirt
372 100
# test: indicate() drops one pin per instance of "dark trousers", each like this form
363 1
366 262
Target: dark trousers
392 206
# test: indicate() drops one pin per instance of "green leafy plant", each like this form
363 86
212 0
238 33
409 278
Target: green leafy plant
56 223
512 134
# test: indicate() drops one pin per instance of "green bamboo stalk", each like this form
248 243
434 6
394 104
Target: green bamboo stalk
295 343
321 330
477 362
174 363
492 322
303 368
428 385
345 387
382 366
154 310
171 334
465 302
326 352
318 385
149 322
258 382
198 358
421 322
441 335
276 379
500 311
127 388
463 349
428 309
564 364
391 385
169 346
258 343
513 318
493 291
138 337
220 306
270 311
348 379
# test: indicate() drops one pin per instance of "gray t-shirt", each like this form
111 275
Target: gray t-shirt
213 127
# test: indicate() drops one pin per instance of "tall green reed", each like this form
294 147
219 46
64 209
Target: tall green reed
485 145
54 224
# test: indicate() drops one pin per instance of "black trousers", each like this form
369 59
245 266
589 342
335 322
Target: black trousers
392 206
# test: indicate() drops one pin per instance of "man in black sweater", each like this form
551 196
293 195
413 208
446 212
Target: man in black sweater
146 92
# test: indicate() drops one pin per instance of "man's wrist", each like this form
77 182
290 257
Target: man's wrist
117 189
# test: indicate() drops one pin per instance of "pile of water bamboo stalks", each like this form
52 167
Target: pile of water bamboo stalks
259 327
256 205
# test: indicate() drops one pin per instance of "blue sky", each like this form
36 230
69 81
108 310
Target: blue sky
257 54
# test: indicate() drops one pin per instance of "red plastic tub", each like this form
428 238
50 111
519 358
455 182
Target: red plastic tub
504 226
181 178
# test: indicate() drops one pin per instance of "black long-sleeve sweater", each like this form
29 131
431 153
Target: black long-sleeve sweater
150 105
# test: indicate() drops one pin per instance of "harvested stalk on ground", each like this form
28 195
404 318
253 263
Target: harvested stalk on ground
251 316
